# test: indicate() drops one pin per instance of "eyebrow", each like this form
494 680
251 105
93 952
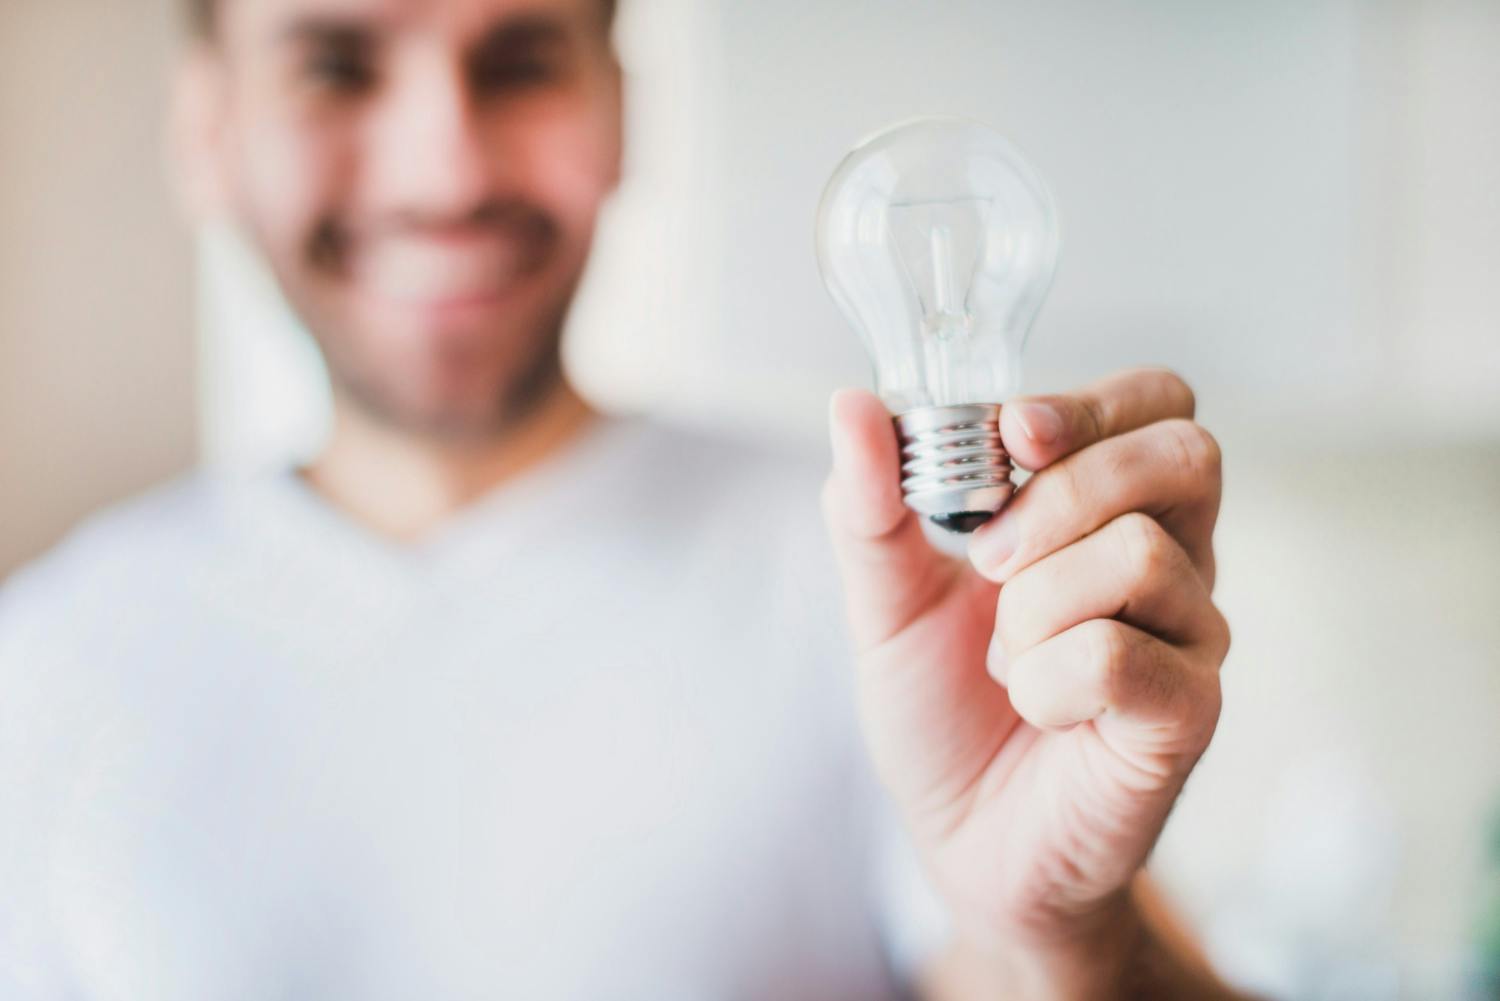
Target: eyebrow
321 28
523 31
518 32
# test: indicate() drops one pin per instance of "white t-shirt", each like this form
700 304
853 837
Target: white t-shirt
595 739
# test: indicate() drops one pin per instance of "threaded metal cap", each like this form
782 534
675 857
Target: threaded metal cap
954 469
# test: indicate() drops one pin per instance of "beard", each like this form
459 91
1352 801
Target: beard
498 378
512 401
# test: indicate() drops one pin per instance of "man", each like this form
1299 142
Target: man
501 698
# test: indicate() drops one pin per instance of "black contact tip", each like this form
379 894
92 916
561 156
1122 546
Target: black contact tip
962 522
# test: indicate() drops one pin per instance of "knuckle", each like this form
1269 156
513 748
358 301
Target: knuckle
1208 706
1010 615
1148 549
1192 450
1066 487
1222 635
1175 389
1209 569
1095 417
1021 613
1109 653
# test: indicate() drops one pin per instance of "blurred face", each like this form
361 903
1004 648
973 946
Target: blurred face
423 177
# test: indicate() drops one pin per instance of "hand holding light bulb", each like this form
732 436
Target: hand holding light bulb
1035 710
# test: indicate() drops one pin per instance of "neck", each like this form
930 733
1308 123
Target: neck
403 484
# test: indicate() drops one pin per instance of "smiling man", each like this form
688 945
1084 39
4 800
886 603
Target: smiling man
501 698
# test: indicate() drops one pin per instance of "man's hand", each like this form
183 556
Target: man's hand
1035 711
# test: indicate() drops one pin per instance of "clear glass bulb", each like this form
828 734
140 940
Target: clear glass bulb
938 242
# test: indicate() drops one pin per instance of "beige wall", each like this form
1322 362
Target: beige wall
96 365
1340 821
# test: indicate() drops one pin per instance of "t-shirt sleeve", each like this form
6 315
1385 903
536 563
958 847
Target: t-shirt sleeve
904 908
909 915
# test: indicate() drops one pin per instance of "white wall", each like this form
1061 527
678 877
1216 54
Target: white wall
1292 203
1201 156
1443 146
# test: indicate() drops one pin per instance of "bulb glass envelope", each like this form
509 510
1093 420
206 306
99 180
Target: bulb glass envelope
938 242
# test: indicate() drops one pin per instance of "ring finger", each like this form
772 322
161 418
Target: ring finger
1131 570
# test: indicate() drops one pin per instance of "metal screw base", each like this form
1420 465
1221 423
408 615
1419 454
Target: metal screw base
954 469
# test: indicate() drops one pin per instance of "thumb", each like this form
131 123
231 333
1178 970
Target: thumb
890 571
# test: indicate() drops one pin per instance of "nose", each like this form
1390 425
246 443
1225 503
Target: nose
426 160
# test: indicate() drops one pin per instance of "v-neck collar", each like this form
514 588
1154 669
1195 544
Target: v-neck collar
508 515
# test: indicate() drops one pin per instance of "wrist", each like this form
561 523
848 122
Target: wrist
1098 956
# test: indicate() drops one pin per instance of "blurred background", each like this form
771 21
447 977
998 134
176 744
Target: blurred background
1294 204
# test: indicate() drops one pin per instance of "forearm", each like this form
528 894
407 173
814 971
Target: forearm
1138 953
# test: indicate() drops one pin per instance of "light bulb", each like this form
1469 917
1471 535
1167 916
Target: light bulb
938 242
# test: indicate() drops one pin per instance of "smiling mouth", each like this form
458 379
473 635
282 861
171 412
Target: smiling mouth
443 272
449 267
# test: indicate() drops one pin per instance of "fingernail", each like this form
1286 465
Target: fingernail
1041 422
994 544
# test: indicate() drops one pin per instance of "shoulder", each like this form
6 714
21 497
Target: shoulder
112 560
741 515
80 626
727 473
740 499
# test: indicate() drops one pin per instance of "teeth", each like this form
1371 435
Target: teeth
411 269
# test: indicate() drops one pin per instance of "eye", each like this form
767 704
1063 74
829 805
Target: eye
510 71
343 69
522 55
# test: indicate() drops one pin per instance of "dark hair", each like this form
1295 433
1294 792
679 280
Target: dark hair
203 15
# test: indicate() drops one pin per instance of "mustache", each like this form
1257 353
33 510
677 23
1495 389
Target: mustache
527 224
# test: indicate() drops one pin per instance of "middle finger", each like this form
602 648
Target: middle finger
1130 570
1169 470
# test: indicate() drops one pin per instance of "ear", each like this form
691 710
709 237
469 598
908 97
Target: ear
616 112
197 152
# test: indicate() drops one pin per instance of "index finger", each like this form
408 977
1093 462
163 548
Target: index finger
1039 430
